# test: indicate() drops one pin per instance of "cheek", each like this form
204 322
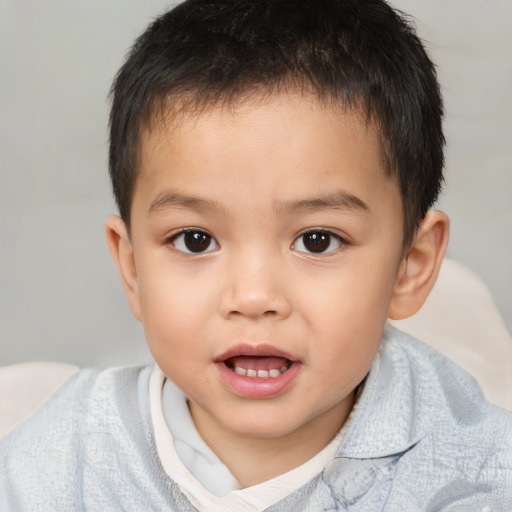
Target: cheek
354 295
175 309
349 335
348 312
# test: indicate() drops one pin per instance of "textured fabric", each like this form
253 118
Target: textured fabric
200 473
25 386
422 439
461 320
197 457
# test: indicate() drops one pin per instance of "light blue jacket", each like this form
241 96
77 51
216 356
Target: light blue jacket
422 439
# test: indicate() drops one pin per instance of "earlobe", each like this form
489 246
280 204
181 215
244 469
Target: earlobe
420 267
120 246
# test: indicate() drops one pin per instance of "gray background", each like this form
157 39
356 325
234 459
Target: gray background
60 298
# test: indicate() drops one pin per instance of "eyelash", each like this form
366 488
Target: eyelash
203 240
207 238
320 239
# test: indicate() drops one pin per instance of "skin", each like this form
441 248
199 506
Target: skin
257 179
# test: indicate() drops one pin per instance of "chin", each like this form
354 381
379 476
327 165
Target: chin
262 429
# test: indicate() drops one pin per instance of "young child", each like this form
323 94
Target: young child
275 163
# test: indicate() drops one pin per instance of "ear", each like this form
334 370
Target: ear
121 249
420 267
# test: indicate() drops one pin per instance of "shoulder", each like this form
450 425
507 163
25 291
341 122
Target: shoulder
48 393
413 393
445 397
465 441
76 430
82 396
25 387
88 401
423 433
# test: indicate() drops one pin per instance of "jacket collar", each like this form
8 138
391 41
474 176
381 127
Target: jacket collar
399 400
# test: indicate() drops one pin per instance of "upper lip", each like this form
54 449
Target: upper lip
261 350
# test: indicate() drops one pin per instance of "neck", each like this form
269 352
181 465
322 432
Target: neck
253 460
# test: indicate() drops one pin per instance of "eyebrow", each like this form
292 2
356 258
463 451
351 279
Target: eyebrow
340 200
172 199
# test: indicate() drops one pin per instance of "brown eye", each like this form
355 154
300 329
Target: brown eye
194 241
317 242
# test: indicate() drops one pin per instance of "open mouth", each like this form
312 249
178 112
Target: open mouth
259 366
258 371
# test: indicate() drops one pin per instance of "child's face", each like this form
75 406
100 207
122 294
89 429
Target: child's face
267 238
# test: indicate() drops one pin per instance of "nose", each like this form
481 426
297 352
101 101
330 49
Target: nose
255 287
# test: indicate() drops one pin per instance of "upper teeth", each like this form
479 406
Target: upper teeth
260 373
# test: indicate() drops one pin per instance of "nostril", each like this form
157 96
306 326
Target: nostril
253 302
271 313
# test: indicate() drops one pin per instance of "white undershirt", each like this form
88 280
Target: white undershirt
203 478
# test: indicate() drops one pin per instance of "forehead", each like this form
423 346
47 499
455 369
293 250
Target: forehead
276 140
177 118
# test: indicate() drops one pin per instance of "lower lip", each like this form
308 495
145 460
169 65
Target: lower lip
258 387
